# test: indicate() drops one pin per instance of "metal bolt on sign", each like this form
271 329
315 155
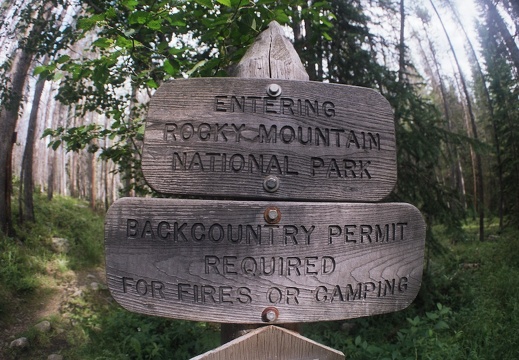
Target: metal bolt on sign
274 90
271 183
270 314
272 215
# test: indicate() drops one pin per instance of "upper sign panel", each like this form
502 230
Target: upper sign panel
266 138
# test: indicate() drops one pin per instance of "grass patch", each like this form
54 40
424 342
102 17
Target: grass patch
467 307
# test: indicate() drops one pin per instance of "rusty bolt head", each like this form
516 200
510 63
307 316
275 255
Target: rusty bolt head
274 90
270 314
272 215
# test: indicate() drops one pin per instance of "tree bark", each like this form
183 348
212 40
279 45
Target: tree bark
25 199
401 45
456 174
490 108
479 183
93 180
503 30
9 118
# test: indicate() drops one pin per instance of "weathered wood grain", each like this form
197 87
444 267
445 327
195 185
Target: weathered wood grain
223 137
272 342
272 55
221 261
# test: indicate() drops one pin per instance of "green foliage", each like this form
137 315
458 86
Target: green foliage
477 285
137 46
17 268
476 289
23 260
28 262
123 335
502 84
48 41
427 336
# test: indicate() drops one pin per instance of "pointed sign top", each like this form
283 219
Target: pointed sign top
272 342
272 55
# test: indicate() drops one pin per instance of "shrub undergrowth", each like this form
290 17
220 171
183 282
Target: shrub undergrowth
467 307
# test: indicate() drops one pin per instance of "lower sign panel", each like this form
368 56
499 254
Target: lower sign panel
257 262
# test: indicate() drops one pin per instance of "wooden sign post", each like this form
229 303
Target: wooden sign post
289 250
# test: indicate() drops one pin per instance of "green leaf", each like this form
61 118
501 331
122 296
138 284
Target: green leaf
171 67
176 51
63 59
178 22
47 132
55 144
39 69
432 316
197 65
102 43
124 42
358 340
206 3
441 325
138 17
129 32
281 17
152 84
225 2
327 36
87 23
131 4
155 24
58 76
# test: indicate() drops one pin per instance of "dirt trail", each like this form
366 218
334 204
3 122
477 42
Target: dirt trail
51 301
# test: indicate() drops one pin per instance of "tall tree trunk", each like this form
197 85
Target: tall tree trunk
309 46
401 45
490 108
26 174
503 30
93 180
456 174
9 118
479 183
512 7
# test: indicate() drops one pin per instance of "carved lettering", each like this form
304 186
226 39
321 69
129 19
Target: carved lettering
203 293
269 105
271 134
142 287
260 234
360 291
367 233
269 265
288 295
237 163
340 168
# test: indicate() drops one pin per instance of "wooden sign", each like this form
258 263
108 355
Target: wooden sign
263 262
272 342
259 138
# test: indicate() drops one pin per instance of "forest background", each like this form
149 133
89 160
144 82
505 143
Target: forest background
76 78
